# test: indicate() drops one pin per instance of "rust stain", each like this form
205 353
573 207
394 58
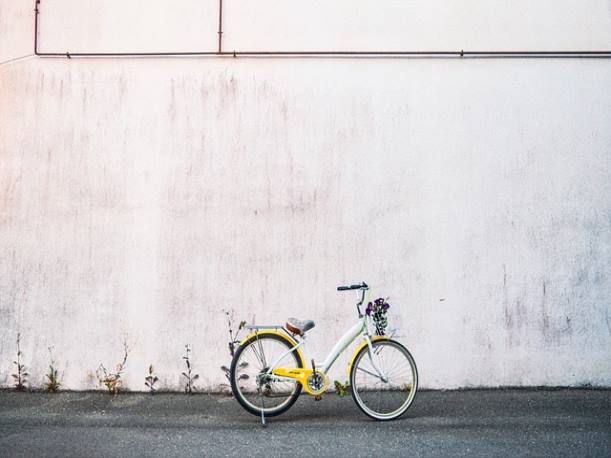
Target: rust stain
122 86
172 105
544 308
84 99
506 310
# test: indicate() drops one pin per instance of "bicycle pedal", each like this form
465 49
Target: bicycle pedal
318 397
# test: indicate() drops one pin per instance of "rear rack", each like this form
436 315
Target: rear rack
260 327
268 326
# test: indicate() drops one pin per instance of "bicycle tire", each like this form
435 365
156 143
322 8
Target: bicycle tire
357 395
235 387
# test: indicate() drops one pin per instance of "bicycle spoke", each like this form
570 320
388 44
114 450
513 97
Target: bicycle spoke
368 372
259 358
262 353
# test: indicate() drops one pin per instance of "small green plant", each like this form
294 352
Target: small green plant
21 375
151 379
227 373
188 374
233 335
112 380
342 389
52 384
233 343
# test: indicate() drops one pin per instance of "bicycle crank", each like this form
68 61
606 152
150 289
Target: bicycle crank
317 383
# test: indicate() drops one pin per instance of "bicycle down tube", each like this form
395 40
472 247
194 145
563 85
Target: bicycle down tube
342 344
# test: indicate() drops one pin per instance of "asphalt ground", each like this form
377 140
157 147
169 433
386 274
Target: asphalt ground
472 423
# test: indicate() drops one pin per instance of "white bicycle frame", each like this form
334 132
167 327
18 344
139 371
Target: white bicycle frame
360 328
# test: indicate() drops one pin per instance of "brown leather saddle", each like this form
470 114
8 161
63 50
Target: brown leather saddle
299 327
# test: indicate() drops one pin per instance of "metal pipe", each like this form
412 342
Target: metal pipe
356 54
220 25
36 2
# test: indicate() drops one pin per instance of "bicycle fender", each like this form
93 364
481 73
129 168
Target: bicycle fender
359 347
282 335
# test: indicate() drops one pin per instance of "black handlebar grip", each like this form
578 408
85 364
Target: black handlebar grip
346 288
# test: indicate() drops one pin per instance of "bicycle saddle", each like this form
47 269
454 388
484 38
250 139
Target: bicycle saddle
299 327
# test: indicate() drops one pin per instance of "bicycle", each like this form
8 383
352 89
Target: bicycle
268 370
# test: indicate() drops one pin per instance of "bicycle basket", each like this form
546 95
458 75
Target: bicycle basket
377 311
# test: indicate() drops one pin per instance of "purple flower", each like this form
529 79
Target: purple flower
369 309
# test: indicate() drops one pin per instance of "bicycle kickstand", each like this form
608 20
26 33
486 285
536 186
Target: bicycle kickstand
262 407
263 418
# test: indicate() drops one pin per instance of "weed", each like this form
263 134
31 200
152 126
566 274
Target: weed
342 389
227 371
233 343
112 380
233 336
151 379
189 385
21 374
52 384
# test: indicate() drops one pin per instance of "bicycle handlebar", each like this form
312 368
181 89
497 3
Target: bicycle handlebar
351 287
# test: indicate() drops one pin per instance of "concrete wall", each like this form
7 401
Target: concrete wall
140 197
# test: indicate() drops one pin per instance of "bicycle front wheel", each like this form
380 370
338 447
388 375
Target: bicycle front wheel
387 394
252 387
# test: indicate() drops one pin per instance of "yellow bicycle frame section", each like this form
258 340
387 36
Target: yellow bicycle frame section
300 374
360 347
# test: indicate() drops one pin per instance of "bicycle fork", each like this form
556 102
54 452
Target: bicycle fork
375 361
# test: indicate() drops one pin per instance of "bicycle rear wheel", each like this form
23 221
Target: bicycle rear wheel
388 397
253 389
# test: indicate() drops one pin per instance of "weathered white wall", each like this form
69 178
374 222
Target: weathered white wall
140 197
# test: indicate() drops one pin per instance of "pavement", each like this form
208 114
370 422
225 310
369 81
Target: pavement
472 423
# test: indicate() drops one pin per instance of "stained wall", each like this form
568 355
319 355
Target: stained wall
140 197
